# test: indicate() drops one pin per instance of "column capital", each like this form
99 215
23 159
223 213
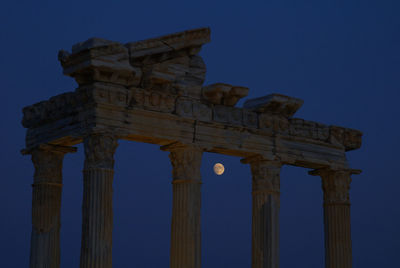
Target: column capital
335 184
265 173
47 160
185 160
99 151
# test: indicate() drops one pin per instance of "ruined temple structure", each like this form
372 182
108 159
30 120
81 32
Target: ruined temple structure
152 91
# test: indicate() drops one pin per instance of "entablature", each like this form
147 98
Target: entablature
152 91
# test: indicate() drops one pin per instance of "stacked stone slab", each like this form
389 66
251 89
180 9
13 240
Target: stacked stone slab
153 91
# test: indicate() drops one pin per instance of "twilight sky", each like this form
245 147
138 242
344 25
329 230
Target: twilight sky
341 57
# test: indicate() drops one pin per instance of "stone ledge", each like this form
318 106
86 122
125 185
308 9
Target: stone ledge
170 42
274 104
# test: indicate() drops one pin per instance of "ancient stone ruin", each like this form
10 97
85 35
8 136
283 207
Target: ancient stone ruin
152 91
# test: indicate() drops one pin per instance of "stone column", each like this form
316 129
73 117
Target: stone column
265 219
46 205
97 212
185 251
336 186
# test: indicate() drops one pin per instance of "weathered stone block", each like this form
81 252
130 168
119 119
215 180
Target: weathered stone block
92 43
250 119
100 95
221 113
323 132
266 121
55 108
228 115
202 111
336 135
352 139
278 124
100 60
152 100
182 75
236 116
184 107
224 94
191 39
138 97
197 70
274 104
310 129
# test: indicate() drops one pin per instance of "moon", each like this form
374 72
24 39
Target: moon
219 169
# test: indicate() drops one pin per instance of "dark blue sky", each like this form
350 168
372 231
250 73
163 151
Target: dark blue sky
341 57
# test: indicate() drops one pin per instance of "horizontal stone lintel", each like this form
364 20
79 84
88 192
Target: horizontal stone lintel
164 128
122 98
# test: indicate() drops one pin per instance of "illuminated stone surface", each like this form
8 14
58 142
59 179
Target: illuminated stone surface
152 91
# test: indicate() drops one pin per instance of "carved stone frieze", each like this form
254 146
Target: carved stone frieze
152 100
250 119
278 124
202 112
55 108
186 161
308 129
99 151
190 108
107 94
236 116
228 115
184 107
74 103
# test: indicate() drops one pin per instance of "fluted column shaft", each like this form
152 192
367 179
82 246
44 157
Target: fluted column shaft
336 186
46 206
265 218
185 251
97 211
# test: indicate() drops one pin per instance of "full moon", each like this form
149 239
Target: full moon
219 169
